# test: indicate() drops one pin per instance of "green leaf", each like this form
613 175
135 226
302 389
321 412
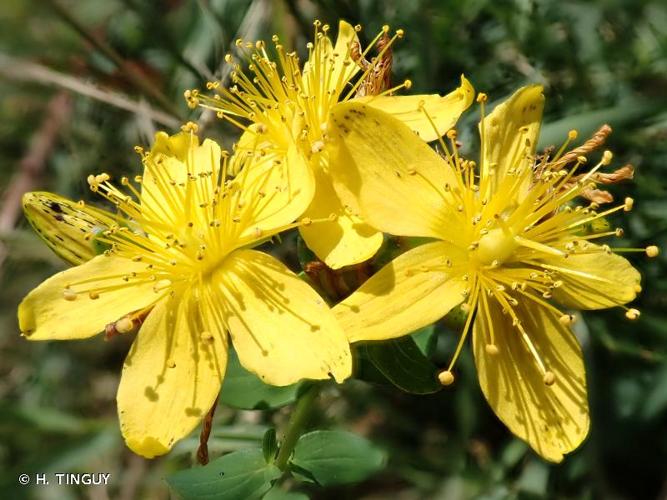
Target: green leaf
337 457
276 493
425 339
269 445
404 365
241 475
244 390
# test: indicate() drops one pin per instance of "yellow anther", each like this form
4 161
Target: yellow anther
385 28
400 33
482 97
306 221
171 363
628 204
567 319
619 232
606 157
407 84
582 159
190 127
549 378
632 314
652 251
124 325
357 28
446 377
572 134
69 295
93 295
451 134
491 349
317 146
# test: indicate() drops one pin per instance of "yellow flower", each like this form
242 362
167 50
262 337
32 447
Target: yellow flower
180 251
278 104
507 246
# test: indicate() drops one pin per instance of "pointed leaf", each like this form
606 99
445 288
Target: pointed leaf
404 365
337 457
241 475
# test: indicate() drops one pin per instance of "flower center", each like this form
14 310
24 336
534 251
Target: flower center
496 247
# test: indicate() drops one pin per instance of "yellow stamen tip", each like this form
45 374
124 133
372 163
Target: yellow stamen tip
572 134
407 84
628 204
549 378
652 251
190 127
400 33
482 97
582 159
491 349
93 295
124 325
446 377
606 157
567 319
632 314
69 295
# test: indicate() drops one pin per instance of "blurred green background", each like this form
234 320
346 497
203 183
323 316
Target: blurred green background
82 84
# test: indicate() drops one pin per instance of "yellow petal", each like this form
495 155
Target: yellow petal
275 191
330 67
595 280
343 241
397 180
344 67
171 375
45 314
415 110
553 419
167 192
281 329
414 290
250 141
67 227
509 138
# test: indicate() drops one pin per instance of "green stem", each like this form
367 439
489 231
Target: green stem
298 420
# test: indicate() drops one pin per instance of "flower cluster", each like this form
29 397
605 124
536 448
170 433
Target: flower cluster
328 149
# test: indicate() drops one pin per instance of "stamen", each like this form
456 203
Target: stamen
652 251
446 377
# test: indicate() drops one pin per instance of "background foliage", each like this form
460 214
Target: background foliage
602 61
